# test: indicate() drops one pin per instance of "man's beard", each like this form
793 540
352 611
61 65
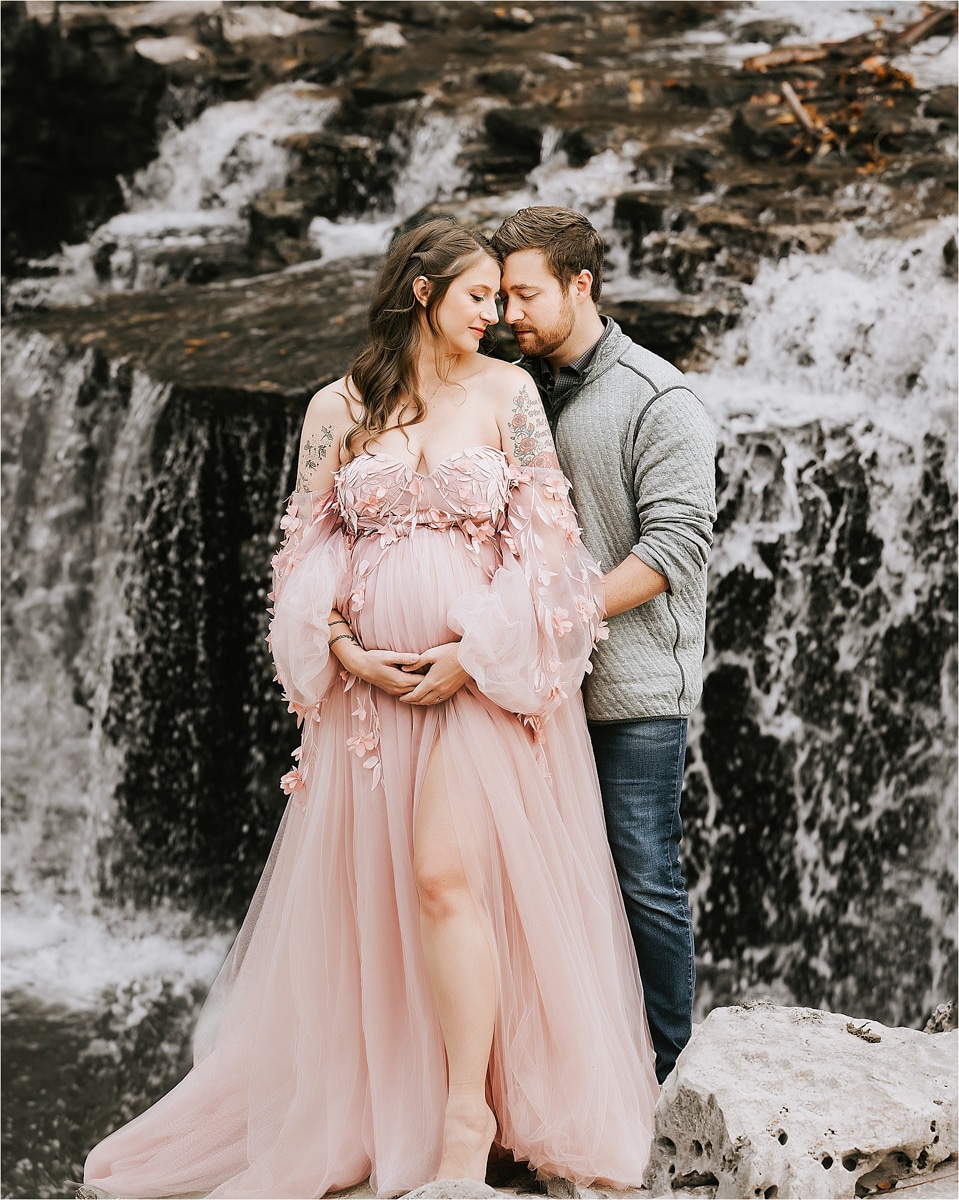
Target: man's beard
541 343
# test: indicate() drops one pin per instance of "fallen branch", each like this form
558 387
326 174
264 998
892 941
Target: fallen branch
804 119
785 56
929 25
865 45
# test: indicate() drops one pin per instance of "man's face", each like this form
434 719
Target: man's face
539 312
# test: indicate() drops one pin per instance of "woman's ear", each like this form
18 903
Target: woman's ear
422 289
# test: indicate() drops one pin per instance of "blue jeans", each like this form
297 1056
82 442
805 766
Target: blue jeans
640 765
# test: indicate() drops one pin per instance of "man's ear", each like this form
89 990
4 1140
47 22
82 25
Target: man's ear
422 289
582 285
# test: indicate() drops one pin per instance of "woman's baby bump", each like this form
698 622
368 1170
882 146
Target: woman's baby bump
402 591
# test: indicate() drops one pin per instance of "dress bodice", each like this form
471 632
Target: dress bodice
376 493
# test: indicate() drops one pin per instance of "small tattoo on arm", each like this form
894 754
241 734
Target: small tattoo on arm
529 433
312 453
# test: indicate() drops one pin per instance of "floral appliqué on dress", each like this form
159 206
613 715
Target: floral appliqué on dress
526 629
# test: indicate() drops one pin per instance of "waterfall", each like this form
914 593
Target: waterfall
430 150
231 153
143 737
79 430
827 803
191 199
65 566
118 493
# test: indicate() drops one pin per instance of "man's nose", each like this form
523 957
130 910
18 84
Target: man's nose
512 310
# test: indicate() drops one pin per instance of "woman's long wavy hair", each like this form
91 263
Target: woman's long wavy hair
383 377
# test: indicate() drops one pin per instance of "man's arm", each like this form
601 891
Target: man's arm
630 584
675 491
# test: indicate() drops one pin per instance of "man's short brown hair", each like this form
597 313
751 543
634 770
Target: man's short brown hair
568 242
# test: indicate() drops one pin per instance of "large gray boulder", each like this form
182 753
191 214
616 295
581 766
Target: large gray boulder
802 1104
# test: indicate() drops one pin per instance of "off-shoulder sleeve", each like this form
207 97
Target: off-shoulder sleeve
309 575
528 635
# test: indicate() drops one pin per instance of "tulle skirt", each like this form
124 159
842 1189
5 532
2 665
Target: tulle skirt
319 1059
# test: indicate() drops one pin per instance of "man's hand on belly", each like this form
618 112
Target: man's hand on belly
443 675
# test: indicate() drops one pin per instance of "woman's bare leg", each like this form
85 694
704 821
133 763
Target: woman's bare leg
461 969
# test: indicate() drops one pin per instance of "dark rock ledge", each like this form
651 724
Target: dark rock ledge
283 334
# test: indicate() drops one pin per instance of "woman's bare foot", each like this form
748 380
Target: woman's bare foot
468 1133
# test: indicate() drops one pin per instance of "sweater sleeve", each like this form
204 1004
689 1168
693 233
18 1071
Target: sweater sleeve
674 485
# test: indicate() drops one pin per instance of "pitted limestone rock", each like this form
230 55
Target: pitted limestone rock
794 1102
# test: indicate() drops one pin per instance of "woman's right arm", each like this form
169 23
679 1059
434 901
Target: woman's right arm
381 668
328 420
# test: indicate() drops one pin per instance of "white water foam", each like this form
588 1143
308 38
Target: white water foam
432 173
60 956
863 335
192 195
866 328
228 155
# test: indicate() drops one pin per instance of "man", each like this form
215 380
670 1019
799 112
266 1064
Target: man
639 450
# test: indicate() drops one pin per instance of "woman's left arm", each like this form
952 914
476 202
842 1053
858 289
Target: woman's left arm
524 430
526 441
527 636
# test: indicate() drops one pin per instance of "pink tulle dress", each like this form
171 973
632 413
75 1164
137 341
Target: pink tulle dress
319 1058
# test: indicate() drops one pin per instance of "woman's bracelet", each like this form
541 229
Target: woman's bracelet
340 636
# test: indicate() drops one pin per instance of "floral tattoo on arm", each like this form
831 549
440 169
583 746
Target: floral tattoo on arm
529 433
314 449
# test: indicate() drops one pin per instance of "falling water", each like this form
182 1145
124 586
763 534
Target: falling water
193 196
433 170
829 804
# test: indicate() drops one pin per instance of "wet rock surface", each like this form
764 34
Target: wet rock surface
808 635
82 109
282 334
584 79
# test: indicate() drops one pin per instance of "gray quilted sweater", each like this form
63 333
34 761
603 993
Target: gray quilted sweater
639 449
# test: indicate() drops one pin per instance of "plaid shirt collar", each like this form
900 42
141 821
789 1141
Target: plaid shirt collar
556 389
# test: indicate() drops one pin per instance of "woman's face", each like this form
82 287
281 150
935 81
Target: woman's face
469 306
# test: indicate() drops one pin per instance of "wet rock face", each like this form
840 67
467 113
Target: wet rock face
82 109
197 818
581 79
68 1077
282 335
136 564
827 688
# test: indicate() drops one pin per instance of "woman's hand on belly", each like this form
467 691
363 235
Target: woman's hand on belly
381 668
444 675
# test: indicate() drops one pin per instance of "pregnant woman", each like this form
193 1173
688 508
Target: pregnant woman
437 955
